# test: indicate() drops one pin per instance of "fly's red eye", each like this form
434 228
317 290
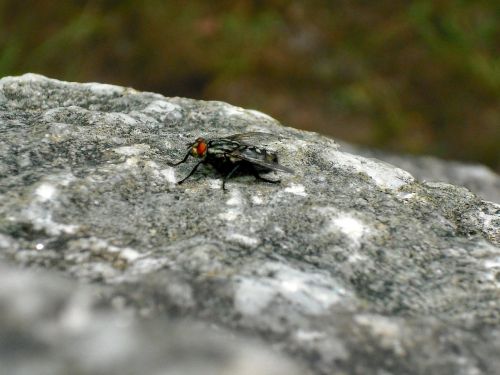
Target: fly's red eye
201 149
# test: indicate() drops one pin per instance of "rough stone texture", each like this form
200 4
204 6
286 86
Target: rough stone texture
350 266
51 326
478 178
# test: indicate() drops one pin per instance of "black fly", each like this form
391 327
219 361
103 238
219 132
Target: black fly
234 154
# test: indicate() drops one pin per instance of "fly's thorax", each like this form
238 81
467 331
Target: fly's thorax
223 146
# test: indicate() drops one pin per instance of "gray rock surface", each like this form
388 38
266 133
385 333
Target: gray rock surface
350 266
480 179
50 325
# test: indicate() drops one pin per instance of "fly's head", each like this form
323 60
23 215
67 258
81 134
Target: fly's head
199 148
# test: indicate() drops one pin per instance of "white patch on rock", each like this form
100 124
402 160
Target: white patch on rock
243 239
489 218
302 335
152 168
296 189
163 108
169 175
261 115
28 77
102 249
252 296
383 174
124 118
46 192
133 150
356 257
405 195
76 316
230 215
235 198
103 88
492 263
231 110
350 226
58 132
387 331
43 201
41 219
131 162
214 183
309 292
130 255
295 145
235 209
257 200
278 230
147 265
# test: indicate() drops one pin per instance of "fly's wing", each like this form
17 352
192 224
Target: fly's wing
260 157
253 138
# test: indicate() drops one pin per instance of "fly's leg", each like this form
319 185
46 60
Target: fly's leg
191 173
182 161
226 177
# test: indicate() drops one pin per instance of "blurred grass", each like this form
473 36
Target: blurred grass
418 77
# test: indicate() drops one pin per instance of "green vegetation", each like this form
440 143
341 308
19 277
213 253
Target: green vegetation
419 77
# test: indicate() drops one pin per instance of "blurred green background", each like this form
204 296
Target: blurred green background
406 76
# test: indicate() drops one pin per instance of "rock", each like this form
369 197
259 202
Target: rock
349 266
478 178
50 325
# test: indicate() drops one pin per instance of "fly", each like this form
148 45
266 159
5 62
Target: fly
235 154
